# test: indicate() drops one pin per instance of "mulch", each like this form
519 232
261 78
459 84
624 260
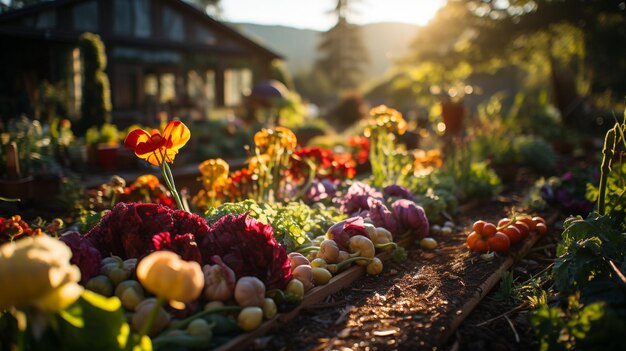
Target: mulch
412 305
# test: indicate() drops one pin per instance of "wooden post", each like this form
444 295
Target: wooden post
13 162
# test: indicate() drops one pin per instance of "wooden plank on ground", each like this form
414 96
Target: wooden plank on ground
485 288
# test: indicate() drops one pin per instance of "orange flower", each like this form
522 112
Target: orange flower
148 180
158 148
214 168
269 138
214 174
426 161
255 162
389 119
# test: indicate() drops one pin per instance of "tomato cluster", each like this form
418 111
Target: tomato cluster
487 236
14 228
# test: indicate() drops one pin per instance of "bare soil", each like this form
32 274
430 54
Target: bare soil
412 305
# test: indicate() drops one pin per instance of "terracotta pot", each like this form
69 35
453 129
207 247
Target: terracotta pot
453 114
17 189
106 157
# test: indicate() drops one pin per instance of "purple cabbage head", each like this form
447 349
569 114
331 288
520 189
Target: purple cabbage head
381 216
410 217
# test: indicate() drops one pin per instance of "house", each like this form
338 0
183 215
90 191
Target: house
163 55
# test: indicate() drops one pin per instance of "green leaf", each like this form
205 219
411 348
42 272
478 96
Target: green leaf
93 323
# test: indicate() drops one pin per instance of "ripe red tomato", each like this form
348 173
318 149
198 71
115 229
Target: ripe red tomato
541 228
539 219
478 226
503 222
529 222
513 233
489 229
477 242
499 242
523 228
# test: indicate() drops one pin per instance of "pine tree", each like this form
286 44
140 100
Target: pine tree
344 55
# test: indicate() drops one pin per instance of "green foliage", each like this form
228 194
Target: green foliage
437 200
93 323
577 327
586 248
27 135
350 110
534 152
106 134
96 93
472 180
294 223
615 197
292 111
209 139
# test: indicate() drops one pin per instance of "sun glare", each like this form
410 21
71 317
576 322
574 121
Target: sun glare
413 12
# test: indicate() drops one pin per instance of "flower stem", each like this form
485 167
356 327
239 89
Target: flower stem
608 151
169 180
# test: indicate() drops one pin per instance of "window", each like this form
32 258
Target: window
195 85
167 83
201 90
85 16
150 85
76 81
237 83
132 17
173 24
209 87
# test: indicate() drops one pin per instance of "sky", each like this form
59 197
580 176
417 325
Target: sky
313 14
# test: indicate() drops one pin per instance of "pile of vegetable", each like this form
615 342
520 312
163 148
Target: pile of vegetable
486 236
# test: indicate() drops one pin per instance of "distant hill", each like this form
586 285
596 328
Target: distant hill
386 42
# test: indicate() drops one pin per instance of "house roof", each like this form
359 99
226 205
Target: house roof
185 7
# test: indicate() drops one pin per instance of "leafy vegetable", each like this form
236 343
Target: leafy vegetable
578 327
294 223
585 251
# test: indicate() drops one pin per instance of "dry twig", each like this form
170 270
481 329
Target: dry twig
512 328
505 314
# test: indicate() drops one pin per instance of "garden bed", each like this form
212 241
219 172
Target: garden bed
416 304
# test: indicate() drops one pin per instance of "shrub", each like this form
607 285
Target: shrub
534 152
95 105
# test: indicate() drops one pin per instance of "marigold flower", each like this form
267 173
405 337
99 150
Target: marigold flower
255 162
149 180
36 271
388 118
267 139
168 276
156 147
214 169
